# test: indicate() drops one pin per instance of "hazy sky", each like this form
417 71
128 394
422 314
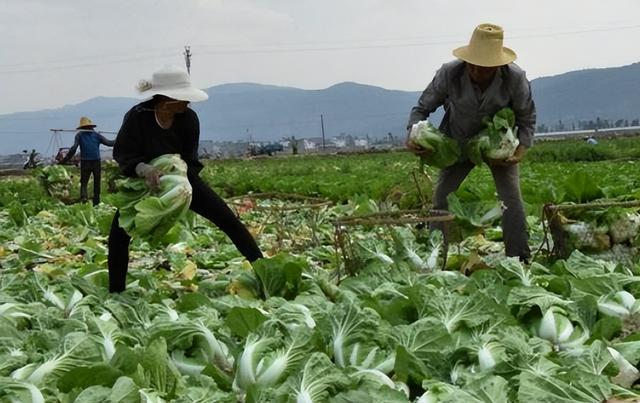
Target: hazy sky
58 52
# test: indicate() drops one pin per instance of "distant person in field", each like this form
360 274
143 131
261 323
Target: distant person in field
89 141
480 82
164 124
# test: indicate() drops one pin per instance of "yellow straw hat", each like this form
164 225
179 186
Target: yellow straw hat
85 123
485 48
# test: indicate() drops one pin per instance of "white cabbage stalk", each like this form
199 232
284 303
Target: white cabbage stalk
149 396
308 319
515 267
59 363
621 305
456 372
12 311
486 359
628 373
383 257
555 327
558 329
383 379
270 367
379 254
414 258
432 260
185 365
427 397
67 307
34 392
108 332
218 350
306 315
369 362
171 313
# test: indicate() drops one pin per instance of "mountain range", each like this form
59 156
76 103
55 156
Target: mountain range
246 111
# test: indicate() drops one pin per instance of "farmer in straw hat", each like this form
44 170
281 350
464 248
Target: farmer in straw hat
164 124
482 81
89 141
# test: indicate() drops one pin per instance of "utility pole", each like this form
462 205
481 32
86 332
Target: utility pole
322 125
187 58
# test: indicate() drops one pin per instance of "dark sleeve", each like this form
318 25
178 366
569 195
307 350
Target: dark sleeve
106 141
72 150
524 109
190 153
432 97
127 150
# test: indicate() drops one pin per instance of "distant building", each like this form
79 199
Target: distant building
312 144
364 143
208 149
339 142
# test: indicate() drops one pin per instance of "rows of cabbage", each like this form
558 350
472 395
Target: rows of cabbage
198 323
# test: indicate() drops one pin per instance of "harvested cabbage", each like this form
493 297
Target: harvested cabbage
586 236
498 140
625 227
444 150
56 181
151 214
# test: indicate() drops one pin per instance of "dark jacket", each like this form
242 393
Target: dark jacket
141 139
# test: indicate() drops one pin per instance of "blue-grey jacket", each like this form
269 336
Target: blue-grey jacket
465 105
89 142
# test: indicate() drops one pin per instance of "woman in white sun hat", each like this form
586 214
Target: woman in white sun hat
164 124
482 81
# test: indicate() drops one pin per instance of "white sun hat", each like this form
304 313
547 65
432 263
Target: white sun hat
172 82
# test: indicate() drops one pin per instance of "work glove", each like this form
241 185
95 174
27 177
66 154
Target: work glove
150 174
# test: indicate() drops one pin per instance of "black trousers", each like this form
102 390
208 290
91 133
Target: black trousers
88 168
204 202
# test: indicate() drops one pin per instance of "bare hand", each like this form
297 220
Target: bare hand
517 156
417 149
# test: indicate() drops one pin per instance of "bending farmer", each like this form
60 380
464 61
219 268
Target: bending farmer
162 125
483 81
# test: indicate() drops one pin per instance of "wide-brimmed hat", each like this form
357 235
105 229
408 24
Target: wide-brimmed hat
485 48
85 123
172 82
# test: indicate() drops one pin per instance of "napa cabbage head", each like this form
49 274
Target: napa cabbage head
498 140
56 181
444 150
151 213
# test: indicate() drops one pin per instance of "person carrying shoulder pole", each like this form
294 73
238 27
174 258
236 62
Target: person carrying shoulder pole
89 141
482 81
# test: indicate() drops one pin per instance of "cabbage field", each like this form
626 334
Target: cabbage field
379 316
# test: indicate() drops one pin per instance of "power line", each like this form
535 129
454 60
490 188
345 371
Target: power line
300 48
97 57
89 64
